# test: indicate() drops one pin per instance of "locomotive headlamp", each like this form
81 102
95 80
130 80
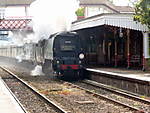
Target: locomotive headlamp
81 56
57 61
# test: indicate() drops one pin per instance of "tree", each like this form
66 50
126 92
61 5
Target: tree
80 11
142 12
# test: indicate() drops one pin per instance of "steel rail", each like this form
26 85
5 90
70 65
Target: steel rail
23 109
117 91
58 108
106 98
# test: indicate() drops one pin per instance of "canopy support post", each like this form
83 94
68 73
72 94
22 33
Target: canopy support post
115 48
128 48
145 49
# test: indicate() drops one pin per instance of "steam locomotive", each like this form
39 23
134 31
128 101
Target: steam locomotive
61 53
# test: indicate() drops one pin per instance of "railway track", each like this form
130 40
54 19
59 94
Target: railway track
79 102
132 101
53 105
15 98
127 94
107 98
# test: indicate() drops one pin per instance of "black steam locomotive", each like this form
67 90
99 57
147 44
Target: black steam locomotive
60 53
63 53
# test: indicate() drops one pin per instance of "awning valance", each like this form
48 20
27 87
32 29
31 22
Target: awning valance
117 20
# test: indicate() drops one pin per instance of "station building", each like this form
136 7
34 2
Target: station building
115 40
111 37
11 20
94 7
8 8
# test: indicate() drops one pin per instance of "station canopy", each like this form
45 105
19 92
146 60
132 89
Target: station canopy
123 20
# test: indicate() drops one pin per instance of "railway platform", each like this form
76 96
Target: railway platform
134 81
7 102
133 74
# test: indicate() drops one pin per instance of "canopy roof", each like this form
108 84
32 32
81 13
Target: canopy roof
118 20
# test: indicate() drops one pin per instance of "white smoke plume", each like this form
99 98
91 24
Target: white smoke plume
51 16
19 58
37 71
48 17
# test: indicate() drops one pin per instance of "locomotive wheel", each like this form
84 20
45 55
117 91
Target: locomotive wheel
71 75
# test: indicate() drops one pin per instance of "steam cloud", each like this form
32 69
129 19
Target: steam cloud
51 16
48 17
37 71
